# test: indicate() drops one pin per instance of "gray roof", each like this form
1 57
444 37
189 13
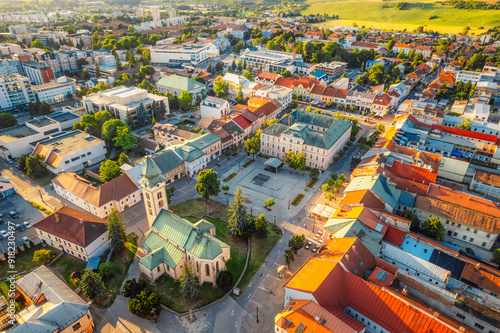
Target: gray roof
204 141
167 160
67 307
215 100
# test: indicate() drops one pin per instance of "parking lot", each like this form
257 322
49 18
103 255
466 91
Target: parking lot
26 213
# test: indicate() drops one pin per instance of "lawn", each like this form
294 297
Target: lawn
385 15
260 247
24 261
122 261
4 289
67 264
198 207
45 179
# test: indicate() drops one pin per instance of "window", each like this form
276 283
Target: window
484 244
481 327
464 237
159 195
471 239
475 231
425 250
355 271
77 326
468 229
207 270
488 235
458 226
361 263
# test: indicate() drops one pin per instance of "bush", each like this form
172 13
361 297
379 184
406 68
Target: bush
107 268
225 280
41 257
133 287
297 242
312 182
144 303
231 176
248 163
297 199
225 188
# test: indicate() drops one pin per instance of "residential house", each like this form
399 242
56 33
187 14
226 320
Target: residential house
119 193
215 107
267 78
80 234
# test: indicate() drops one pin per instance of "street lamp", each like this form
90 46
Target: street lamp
314 223
274 219
251 210
227 201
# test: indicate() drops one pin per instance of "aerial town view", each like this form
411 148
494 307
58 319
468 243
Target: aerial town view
217 166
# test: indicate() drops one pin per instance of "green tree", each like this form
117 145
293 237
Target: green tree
132 287
97 69
224 280
199 79
261 224
189 283
21 162
145 84
496 256
107 268
221 88
41 257
269 202
237 215
308 108
433 228
123 159
409 215
248 75
289 256
144 303
314 173
117 233
287 73
390 45
109 128
92 285
124 138
38 44
7 120
465 124
252 144
208 184
239 96
297 242
271 122
109 170
34 166
380 128
118 63
186 99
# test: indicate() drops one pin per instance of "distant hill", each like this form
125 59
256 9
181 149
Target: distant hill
431 14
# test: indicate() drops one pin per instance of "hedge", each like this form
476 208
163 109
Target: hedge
248 163
297 199
228 178
312 182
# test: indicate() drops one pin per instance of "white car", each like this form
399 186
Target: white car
26 224
4 233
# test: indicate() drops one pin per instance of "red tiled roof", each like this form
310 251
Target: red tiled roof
242 122
74 226
383 282
404 184
365 197
412 172
262 75
396 314
284 82
394 236
404 46
382 100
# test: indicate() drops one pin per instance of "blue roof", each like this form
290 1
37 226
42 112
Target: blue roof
93 263
318 73
418 249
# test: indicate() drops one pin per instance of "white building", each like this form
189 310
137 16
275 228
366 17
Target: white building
9 48
119 193
279 93
80 234
71 151
15 92
123 103
318 137
486 183
54 92
192 54
38 72
215 107
9 66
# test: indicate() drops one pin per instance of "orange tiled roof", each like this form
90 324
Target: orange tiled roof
365 197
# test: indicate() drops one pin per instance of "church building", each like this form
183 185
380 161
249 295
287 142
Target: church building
173 241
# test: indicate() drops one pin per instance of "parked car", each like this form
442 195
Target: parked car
308 245
20 227
13 214
26 240
469 251
4 233
26 224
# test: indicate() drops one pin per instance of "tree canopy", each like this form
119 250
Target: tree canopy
7 120
208 184
109 170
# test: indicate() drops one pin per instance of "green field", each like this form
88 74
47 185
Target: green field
385 15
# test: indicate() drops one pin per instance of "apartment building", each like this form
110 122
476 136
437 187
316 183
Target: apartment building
130 104
80 234
279 93
57 91
192 54
272 61
487 183
15 92
363 100
38 73
10 66
318 137
333 69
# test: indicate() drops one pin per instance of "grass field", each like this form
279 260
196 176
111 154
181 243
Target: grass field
385 15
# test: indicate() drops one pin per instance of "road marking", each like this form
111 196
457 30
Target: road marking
232 312
260 287
250 284
254 302
274 277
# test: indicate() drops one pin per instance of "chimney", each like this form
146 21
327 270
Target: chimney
346 257
289 120
294 54
57 216
355 231
317 317
81 221
353 248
